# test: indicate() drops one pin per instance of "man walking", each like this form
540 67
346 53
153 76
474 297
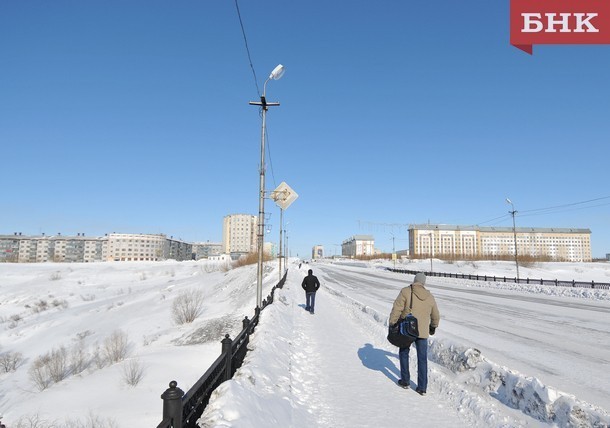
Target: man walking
423 307
310 284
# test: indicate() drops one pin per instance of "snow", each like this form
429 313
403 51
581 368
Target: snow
504 355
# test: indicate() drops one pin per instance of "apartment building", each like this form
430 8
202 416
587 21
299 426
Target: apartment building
147 247
239 234
317 252
56 248
358 245
205 250
18 248
441 240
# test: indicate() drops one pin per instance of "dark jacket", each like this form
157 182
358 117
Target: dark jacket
310 283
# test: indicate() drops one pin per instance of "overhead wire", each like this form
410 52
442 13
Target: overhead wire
243 32
268 146
550 210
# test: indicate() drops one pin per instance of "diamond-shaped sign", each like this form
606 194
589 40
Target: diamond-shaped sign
283 195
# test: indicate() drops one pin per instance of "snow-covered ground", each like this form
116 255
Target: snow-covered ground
504 355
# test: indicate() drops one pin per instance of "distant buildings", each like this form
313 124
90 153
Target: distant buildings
206 250
358 245
239 234
463 242
80 248
317 252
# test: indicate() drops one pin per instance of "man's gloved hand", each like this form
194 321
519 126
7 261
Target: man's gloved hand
432 330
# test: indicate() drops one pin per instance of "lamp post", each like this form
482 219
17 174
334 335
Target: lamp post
431 250
281 238
286 245
393 250
513 212
276 74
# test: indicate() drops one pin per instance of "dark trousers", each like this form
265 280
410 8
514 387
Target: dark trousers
310 299
421 346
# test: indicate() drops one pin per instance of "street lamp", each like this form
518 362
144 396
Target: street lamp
393 250
276 74
513 212
431 250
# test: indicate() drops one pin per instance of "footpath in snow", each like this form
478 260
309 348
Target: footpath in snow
336 369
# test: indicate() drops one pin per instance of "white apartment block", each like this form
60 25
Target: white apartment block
358 245
113 247
317 252
239 234
441 240
206 250
136 247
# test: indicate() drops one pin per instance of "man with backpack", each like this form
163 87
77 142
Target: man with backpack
420 302
310 284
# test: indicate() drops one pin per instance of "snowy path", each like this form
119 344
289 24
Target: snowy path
336 370
478 317
346 377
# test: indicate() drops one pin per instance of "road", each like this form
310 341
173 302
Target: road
561 341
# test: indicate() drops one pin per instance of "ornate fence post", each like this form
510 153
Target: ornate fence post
226 350
245 323
172 404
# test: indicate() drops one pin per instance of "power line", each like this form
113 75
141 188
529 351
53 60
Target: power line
568 205
247 48
551 210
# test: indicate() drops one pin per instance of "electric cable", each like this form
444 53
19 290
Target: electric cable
243 31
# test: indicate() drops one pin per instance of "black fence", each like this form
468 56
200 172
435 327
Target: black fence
555 282
182 410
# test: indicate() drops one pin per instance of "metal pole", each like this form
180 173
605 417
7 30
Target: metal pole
280 257
393 251
261 212
513 212
261 198
431 250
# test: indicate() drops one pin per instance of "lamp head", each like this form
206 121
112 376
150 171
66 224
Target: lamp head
277 72
508 201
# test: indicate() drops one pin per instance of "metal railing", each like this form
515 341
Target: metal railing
555 282
182 410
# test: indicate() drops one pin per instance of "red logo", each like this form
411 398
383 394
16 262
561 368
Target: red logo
558 22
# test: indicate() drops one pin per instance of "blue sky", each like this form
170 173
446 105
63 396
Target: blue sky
133 116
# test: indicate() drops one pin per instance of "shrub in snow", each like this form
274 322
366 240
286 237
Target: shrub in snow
40 306
9 361
115 346
79 359
133 372
39 372
92 421
63 304
187 306
58 364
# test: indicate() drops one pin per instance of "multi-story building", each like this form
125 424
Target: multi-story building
79 248
55 248
146 247
205 250
239 234
317 252
358 245
441 240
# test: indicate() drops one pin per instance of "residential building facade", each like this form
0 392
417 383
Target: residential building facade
205 250
18 248
239 234
317 252
358 245
450 241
